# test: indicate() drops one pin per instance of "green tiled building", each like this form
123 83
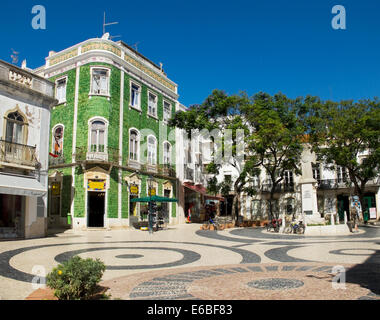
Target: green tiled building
109 138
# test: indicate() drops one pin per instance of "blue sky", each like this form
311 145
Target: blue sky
270 46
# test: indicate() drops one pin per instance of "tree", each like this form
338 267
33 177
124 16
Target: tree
347 134
273 137
277 137
221 113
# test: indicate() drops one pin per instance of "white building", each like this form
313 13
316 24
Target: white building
318 192
25 102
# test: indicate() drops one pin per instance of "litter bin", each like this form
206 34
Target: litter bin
69 219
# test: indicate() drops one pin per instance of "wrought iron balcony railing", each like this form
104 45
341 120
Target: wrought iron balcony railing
55 161
18 154
189 173
283 187
110 155
330 184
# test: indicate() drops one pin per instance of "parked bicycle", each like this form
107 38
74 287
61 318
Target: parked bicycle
295 227
274 224
214 223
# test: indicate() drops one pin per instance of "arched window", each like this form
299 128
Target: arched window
134 145
152 150
167 153
58 140
98 136
15 128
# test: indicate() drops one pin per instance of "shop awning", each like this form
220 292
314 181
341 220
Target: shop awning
202 190
154 199
21 186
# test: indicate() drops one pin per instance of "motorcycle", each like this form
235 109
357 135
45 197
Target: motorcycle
275 224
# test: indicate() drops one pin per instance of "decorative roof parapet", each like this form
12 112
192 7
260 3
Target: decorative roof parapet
120 50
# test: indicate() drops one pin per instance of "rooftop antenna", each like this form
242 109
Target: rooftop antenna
14 56
108 24
135 46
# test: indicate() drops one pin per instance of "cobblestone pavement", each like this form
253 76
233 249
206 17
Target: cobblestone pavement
185 262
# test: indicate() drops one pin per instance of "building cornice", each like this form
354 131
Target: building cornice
137 64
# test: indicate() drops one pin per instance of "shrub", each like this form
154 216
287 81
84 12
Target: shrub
76 278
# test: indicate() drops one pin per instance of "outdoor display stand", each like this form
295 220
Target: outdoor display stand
151 202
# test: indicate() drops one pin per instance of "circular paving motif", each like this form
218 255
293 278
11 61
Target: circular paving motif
354 252
129 256
275 284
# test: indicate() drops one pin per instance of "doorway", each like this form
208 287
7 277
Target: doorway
343 206
96 209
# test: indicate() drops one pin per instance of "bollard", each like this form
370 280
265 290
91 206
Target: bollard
332 219
345 217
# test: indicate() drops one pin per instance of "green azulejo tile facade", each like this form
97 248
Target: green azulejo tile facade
109 137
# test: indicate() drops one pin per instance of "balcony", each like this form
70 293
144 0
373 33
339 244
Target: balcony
56 161
188 174
167 170
331 184
15 154
111 155
266 188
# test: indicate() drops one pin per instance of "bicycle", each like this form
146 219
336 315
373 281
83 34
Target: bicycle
274 224
214 223
295 227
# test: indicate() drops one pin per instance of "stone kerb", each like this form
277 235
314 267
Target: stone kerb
341 229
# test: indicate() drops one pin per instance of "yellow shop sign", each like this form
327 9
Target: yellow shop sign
96 185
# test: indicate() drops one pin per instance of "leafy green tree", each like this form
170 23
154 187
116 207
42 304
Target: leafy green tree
220 112
277 137
347 134
273 136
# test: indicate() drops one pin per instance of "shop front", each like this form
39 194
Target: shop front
197 202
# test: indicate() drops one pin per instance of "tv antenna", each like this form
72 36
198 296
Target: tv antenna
14 56
135 46
108 24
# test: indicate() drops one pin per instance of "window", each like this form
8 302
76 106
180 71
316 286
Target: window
167 153
15 128
133 145
61 90
288 177
152 104
98 129
135 96
99 84
58 140
341 174
167 111
152 150
316 171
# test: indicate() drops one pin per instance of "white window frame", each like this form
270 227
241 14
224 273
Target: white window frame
138 107
155 151
154 115
53 138
102 94
138 145
63 101
163 110
90 122
170 153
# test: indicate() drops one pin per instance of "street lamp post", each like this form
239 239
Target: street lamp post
150 206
